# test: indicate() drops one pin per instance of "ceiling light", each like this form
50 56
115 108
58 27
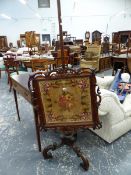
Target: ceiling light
5 16
23 1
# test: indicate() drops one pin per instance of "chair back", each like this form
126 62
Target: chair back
11 65
59 59
91 57
40 65
95 49
65 53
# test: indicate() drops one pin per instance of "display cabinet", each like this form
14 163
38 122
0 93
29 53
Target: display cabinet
123 41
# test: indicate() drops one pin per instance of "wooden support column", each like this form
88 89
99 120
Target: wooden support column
60 33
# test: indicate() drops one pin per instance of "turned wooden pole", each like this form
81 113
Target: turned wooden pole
60 33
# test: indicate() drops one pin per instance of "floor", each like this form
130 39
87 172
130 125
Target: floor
19 153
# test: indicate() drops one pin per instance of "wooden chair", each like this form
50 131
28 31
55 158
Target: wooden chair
59 60
13 67
65 100
91 57
41 64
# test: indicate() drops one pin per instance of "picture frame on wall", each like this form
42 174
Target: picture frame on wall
43 3
46 39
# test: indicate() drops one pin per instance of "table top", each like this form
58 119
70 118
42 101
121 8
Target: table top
28 58
124 56
22 79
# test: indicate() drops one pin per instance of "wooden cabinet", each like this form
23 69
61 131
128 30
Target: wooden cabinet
105 63
122 39
125 37
115 37
3 43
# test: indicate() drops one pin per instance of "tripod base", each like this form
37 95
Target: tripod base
68 140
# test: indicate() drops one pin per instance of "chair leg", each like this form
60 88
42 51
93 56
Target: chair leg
69 141
10 83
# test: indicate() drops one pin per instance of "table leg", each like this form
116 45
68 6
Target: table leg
16 103
37 129
113 71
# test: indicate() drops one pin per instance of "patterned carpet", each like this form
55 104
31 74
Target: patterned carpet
19 153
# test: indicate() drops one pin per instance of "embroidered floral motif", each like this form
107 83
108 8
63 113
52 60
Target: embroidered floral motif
65 100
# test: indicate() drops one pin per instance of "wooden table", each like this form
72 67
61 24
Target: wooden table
20 85
122 58
28 62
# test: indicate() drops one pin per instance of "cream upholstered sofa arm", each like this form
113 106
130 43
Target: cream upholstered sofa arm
111 107
104 83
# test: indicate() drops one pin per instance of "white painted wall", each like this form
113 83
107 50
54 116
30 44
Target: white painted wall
78 16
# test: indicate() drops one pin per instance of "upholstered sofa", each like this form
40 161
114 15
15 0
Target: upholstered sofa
115 117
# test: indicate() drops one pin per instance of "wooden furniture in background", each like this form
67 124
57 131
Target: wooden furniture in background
3 44
87 36
65 57
129 64
105 45
91 57
32 41
20 86
42 65
12 67
65 35
122 39
96 37
78 42
105 63
28 63
65 100
120 62
23 40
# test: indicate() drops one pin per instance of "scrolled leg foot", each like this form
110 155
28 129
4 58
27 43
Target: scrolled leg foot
48 155
85 163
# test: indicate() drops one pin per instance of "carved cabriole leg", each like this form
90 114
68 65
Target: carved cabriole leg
53 147
85 164
69 141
